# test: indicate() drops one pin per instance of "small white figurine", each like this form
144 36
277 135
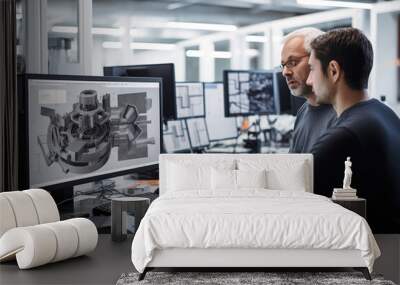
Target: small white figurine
347 174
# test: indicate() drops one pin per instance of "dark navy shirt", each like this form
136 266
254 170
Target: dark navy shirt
311 122
368 132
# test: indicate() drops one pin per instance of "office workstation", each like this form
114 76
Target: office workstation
178 141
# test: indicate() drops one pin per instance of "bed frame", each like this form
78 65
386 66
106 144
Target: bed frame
241 259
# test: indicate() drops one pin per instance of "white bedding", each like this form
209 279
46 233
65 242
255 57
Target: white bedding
250 218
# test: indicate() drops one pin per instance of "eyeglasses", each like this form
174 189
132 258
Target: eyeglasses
292 62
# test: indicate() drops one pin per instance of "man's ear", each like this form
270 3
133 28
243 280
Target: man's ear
334 70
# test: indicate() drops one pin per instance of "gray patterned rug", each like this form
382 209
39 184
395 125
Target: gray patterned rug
242 278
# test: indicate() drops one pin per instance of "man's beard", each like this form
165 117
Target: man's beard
302 91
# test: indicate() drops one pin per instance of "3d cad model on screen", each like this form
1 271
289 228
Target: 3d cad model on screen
80 140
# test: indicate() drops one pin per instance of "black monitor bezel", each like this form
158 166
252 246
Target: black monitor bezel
226 93
190 140
223 139
166 117
23 125
204 100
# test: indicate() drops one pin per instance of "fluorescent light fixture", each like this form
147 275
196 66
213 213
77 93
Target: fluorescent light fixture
256 39
152 46
252 52
222 54
112 45
95 31
341 4
65 29
193 53
215 54
108 31
135 45
201 26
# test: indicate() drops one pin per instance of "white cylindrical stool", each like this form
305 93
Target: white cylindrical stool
119 209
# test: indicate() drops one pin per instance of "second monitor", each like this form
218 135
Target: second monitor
249 92
164 71
198 133
176 137
190 100
219 127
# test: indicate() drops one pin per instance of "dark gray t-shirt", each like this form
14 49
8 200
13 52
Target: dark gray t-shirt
311 122
369 133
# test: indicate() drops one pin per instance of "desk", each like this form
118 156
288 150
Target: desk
94 204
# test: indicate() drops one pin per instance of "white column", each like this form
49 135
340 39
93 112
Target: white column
267 62
85 36
180 66
127 55
238 49
361 21
207 62
276 45
36 48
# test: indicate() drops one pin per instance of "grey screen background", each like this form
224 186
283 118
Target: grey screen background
189 100
60 96
197 132
219 127
175 136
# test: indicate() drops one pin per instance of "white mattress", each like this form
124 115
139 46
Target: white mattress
250 219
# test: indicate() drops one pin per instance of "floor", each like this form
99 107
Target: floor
110 259
103 266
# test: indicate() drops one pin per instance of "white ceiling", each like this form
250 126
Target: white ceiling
141 14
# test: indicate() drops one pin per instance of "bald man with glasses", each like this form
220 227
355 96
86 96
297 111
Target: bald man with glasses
312 119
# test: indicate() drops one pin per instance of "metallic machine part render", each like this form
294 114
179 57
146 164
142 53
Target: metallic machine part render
80 141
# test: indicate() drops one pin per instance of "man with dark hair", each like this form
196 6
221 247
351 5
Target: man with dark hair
366 130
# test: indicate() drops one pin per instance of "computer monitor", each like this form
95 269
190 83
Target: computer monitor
165 71
249 92
176 137
296 103
219 127
198 134
190 100
76 129
288 103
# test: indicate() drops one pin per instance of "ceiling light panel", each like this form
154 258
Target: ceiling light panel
337 4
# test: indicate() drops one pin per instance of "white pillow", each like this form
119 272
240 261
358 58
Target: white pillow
251 178
182 177
228 179
292 178
223 179
281 174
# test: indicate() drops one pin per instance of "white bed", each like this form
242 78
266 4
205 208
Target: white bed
198 223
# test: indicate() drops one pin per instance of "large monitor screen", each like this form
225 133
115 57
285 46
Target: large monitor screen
198 133
78 128
176 137
288 104
165 71
219 127
190 100
250 92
